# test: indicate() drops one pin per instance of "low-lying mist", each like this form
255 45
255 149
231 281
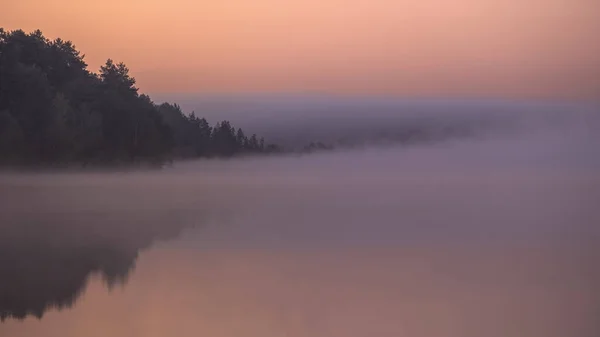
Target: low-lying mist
526 178
520 145
295 121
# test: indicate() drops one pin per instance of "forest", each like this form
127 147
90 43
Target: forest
54 112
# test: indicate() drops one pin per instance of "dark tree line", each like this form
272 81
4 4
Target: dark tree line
54 111
194 137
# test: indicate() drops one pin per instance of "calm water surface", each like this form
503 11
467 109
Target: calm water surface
356 244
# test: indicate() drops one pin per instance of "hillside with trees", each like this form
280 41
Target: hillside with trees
54 112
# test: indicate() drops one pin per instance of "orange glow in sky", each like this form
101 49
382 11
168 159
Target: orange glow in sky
474 48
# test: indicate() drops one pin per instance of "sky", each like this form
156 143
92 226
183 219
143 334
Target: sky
412 48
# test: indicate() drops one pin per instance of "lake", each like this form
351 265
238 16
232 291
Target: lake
489 237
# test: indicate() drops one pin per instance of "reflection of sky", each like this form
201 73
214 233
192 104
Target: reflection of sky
417 292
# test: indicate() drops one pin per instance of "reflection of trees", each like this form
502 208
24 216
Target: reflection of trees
46 259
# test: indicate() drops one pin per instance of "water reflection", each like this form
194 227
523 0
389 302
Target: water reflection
343 256
352 244
46 258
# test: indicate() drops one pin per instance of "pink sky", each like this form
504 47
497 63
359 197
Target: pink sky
472 48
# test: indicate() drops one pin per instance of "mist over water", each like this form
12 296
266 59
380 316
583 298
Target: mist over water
296 120
492 233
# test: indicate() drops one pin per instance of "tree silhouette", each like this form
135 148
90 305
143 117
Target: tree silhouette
54 111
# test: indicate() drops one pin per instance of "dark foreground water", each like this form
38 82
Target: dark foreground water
496 237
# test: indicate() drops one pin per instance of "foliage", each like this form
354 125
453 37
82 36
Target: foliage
54 111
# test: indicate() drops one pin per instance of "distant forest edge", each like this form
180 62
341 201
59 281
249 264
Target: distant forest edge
54 111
